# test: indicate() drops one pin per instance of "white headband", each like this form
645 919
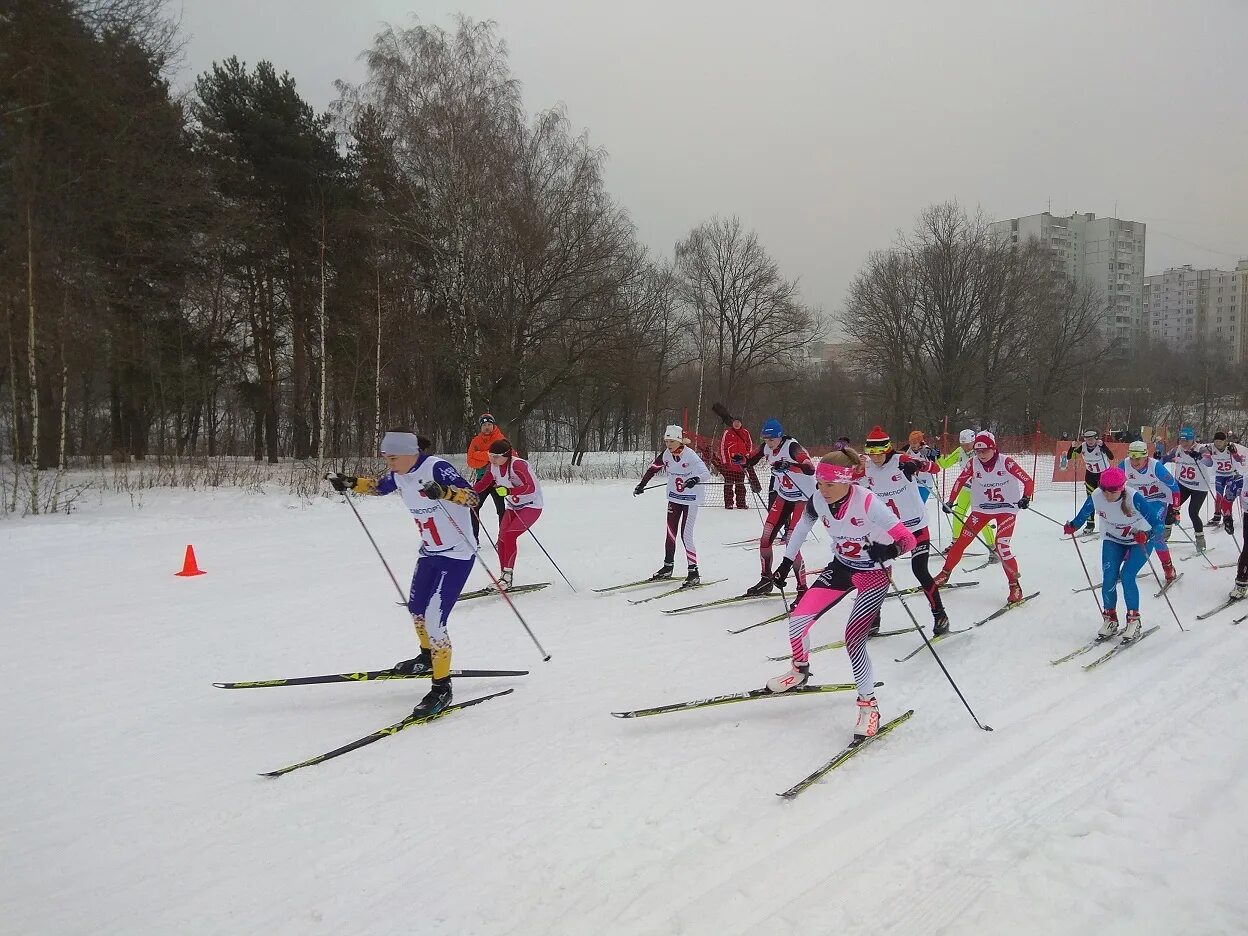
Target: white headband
400 443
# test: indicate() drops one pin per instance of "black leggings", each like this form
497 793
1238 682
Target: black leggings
918 565
1241 574
1193 508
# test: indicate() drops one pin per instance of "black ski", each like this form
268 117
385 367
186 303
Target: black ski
683 587
514 590
771 620
1008 606
665 580
918 589
1166 587
748 696
1120 647
1090 645
1222 607
385 733
718 603
369 676
849 751
838 644
1199 552
976 568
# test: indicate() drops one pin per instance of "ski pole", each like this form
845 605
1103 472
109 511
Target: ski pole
941 663
1079 553
1213 490
1199 552
376 548
529 530
502 591
1164 594
962 519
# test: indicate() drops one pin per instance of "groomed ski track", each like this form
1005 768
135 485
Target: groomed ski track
1114 801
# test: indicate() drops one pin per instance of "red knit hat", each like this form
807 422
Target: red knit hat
877 440
985 439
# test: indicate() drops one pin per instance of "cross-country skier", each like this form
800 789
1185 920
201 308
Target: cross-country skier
441 503
999 489
1096 457
893 478
1226 461
1128 522
1152 479
512 479
734 448
959 458
685 473
1238 490
917 447
1190 464
793 480
864 535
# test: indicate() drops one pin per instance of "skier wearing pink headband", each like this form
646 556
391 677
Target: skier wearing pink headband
864 535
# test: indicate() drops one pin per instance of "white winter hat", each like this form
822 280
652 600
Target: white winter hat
674 434
966 436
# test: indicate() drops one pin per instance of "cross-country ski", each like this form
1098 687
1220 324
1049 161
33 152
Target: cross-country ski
366 676
747 696
850 750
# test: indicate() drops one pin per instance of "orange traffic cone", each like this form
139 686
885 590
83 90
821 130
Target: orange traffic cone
188 564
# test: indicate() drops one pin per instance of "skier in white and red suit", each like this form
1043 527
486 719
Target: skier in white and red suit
734 448
511 477
891 476
793 481
864 535
999 489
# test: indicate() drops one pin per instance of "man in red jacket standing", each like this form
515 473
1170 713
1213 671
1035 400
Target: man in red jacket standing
734 447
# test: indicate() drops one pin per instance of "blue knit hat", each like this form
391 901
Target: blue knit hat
772 429
1187 434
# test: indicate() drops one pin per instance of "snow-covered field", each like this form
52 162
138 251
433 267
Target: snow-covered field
1112 801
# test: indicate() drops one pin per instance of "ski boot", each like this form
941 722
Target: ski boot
1109 624
1090 528
1200 542
796 600
993 558
868 718
874 630
762 587
1216 519
663 573
940 623
1168 568
1228 524
799 675
437 699
1240 591
1132 630
504 580
692 579
415 666
1016 592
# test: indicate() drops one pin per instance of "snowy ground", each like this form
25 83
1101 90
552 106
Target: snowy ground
1113 802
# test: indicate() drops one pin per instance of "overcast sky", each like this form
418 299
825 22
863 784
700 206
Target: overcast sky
827 126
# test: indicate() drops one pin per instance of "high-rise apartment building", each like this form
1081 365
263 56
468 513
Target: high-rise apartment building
1185 308
1106 254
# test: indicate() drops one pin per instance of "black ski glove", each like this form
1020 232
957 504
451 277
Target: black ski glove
433 490
1023 502
781 575
639 488
691 483
947 507
882 552
341 483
